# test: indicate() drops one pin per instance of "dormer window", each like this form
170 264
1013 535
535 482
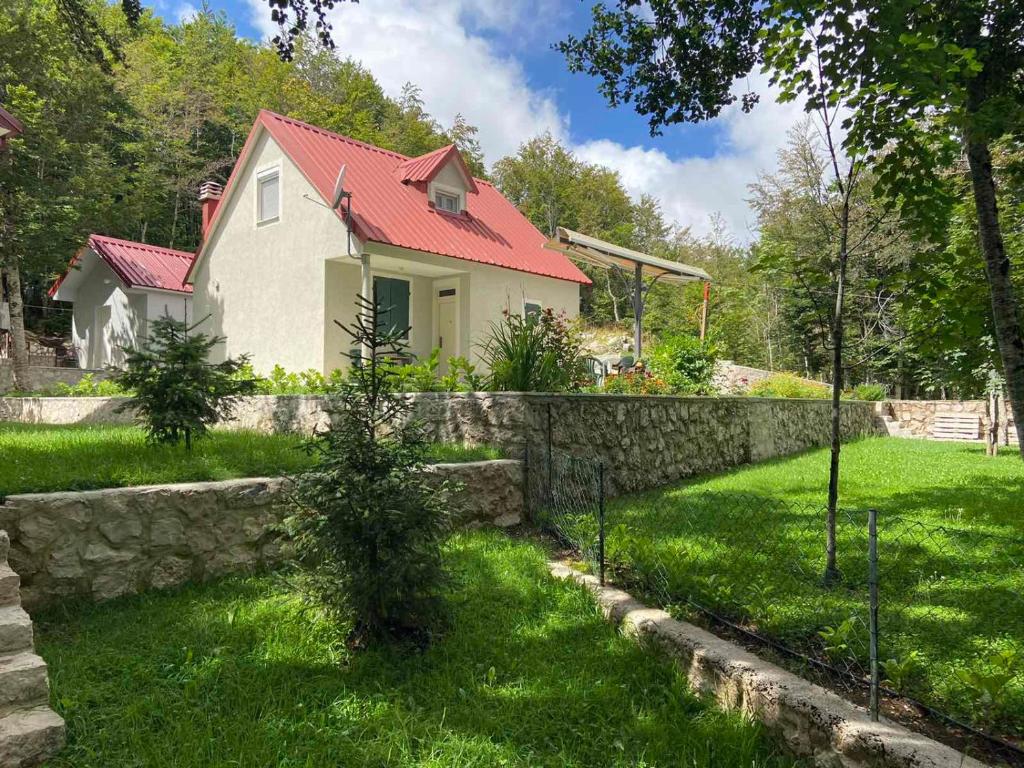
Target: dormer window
447 202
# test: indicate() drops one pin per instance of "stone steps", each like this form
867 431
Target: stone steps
30 732
15 630
22 682
30 736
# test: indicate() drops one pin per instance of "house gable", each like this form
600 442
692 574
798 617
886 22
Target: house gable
260 285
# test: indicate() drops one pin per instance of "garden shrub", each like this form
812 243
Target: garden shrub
89 386
789 385
869 392
366 526
178 393
635 383
538 353
685 363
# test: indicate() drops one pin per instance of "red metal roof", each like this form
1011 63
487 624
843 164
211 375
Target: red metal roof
139 265
10 122
386 210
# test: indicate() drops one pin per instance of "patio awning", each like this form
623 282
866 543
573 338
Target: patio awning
600 253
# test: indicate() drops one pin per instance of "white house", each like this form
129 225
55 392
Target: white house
117 288
446 253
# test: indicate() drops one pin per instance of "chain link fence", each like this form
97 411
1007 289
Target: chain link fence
924 624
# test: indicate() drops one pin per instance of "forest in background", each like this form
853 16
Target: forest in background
121 148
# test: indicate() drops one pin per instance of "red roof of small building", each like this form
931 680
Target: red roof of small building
139 265
390 206
10 122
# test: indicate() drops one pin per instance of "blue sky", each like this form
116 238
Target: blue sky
493 62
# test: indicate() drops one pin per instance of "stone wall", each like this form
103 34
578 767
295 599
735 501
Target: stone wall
118 541
916 417
263 413
644 441
732 379
43 378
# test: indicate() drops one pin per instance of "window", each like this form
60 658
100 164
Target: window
532 308
447 202
392 303
268 196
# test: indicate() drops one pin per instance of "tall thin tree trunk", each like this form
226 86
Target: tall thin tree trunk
1005 309
831 568
12 276
611 295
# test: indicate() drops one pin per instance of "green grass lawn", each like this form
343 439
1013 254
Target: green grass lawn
40 458
749 544
240 673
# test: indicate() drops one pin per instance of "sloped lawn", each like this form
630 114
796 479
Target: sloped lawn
750 545
240 673
40 458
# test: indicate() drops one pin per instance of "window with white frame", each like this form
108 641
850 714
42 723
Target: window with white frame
268 196
448 202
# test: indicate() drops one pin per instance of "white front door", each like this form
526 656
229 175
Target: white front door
447 326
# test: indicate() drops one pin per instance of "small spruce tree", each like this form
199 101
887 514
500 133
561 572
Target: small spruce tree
366 525
179 393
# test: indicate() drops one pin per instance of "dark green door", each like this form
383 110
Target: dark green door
392 304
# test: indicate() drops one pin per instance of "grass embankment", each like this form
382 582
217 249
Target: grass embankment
751 544
40 458
241 673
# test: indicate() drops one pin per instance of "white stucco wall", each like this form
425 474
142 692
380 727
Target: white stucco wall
130 312
263 286
484 291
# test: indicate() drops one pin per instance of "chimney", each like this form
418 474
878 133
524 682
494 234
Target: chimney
209 197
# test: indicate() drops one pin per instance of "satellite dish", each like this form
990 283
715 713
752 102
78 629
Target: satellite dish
339 188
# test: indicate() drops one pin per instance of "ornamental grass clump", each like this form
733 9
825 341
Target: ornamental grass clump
535 353
366 525
178 393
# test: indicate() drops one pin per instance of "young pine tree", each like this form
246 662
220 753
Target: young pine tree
366 525
179 394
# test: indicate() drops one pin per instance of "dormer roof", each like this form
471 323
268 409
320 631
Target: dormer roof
425 167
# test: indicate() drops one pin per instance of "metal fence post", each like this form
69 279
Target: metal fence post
551 477
600 520
527 507
873 613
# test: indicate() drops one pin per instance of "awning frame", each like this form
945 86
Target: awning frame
599 253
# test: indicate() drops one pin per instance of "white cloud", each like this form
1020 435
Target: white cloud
693 189
458 71
439 46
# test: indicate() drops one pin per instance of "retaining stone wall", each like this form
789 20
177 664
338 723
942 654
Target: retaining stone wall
645 441
119 541
917 416
43 377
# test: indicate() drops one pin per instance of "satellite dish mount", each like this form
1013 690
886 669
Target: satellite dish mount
341 195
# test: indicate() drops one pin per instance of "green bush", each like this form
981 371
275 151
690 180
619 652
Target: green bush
869 392
789 385
685 364
535 354
89 386
634 383
178 393
366 525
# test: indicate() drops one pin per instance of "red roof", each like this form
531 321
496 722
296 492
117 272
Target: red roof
10 125
139 265
425 167
388 209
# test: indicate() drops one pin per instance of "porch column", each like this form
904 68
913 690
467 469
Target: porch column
368 295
